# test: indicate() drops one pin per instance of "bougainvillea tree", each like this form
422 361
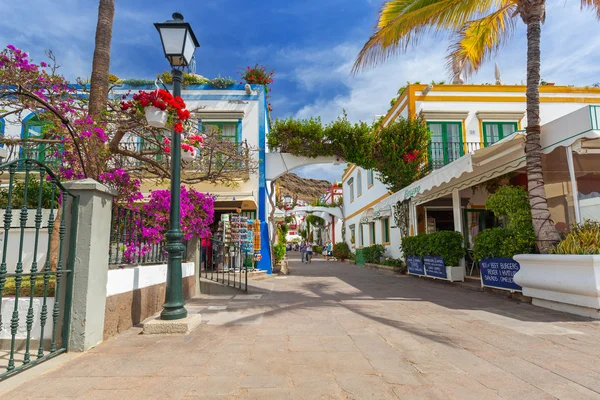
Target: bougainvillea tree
197 213
117 148
118 139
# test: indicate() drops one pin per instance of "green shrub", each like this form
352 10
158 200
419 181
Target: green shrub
25 289
414 245
445 244
33 190
513 202
279 252
282 231
341 251
373 254
583 239
496 243
318 249
221 83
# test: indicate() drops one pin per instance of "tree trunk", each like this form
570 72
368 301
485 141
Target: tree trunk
101 63
546 234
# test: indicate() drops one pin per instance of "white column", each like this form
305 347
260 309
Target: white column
413 218
91 263
456 210
574 188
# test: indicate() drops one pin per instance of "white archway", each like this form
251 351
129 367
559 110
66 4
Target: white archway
278 164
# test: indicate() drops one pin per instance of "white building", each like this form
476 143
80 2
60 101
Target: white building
463 119
240 112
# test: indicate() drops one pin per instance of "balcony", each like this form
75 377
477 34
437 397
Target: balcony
443 153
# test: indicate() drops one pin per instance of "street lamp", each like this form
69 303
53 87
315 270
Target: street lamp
179 44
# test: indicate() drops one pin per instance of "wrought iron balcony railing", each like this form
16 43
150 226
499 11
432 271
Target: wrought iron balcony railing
441 154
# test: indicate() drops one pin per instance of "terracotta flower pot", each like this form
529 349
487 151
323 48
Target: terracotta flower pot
156 117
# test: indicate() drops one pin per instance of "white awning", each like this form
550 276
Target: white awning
383 212
445 174
367 216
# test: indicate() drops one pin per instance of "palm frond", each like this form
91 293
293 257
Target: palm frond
480 39
403 22
593 4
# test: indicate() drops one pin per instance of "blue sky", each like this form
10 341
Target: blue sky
311 44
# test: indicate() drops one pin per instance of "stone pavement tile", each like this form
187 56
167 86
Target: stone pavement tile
371 343
52 387
305 343
230 364
267 346
419 392
338 343
266 381
568 391
460 386
397 371
349 363
365 387
315 387
428 362
214 385
263 394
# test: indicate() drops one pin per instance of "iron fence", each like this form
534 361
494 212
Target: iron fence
40 223
226 263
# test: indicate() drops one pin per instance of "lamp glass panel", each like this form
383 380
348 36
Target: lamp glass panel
189 49
172 39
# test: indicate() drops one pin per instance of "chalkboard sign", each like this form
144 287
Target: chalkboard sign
435 267
415 266
499 273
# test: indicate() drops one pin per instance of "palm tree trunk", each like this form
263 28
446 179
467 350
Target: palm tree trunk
546 233
101 63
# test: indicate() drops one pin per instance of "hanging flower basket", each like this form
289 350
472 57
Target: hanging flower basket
156 117
161 109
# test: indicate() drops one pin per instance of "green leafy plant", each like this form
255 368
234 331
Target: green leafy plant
221 83
583 239
25 289
137 82
282 231
188 79
373 254
259 74
341 251
445 244
414 246
33 188
279 252
518 237
318 249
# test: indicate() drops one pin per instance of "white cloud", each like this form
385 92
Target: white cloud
570 56
326 172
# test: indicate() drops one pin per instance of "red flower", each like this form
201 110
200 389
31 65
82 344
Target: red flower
167 149
166 141
178 127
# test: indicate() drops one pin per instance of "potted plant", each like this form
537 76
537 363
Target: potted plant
436 255
279 254
567 279
341 251
160 108
494 248
258 75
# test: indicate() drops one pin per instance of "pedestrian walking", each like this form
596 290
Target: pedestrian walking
309 252
303 251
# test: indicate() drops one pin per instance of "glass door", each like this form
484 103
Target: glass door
446 143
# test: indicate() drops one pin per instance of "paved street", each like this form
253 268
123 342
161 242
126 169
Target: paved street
338 331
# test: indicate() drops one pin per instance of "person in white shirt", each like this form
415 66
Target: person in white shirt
309 252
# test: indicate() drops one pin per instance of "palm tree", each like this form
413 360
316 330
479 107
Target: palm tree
101 62
480 27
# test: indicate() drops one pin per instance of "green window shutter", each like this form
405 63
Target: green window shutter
496 131
385 223
446 143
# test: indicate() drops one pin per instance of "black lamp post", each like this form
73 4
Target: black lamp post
179 44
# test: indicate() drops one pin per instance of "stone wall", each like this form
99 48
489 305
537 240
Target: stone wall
134 294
